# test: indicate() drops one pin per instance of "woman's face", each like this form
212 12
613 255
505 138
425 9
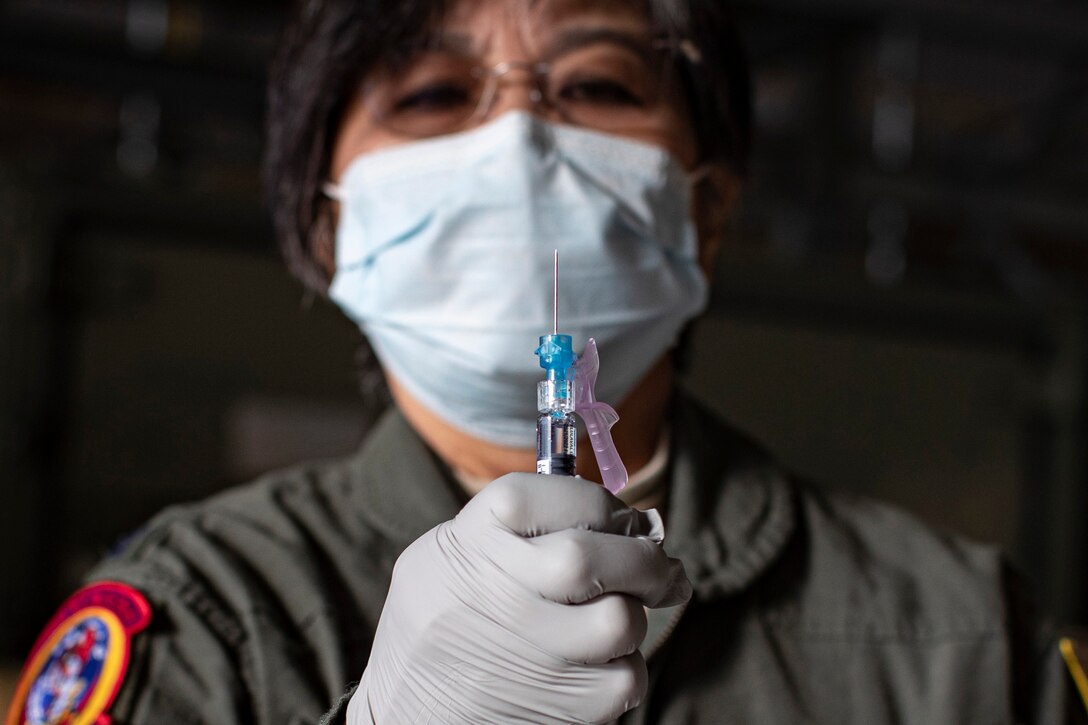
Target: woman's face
605 71
592 63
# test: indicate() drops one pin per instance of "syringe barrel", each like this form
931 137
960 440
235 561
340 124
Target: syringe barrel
556 429
556 441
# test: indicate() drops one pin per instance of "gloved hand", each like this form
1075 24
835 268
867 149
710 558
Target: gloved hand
526 607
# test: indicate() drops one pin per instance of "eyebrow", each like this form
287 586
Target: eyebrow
575 38
463 44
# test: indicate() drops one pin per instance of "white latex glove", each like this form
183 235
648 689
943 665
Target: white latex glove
526 607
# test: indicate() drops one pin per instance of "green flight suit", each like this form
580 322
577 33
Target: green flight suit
809 607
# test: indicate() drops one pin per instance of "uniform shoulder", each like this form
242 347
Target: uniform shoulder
297 525
222 590
307 495
888 574
851 566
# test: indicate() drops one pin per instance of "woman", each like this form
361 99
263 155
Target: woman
425 159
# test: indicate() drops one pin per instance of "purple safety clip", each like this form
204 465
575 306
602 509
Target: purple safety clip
599 418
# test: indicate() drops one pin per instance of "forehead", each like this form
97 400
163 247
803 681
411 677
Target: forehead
549 9
539 19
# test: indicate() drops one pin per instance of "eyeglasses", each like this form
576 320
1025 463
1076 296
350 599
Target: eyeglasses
605 85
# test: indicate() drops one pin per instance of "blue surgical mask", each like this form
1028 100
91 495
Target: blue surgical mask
444 259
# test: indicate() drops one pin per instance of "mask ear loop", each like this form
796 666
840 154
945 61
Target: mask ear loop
332 191
704 192
324 222
700 174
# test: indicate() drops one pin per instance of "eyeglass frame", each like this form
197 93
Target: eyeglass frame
539 71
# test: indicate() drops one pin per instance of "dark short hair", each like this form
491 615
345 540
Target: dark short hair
328 45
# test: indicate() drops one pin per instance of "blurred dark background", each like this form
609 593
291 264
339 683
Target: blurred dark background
901 309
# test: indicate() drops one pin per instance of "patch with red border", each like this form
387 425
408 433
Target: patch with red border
78 663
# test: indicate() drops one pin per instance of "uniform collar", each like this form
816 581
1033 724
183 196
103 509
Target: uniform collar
401 487
731 510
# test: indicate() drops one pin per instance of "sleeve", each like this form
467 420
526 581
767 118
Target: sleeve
262 604
221 647
219 650
186 667
114 653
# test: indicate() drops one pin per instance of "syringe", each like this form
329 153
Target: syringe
556 432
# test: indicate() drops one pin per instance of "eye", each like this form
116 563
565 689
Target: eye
600 91
434 98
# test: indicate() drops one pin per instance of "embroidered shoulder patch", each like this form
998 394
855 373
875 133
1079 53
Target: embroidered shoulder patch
78 663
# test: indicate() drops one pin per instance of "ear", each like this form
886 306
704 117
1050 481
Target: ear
714 196
323 236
